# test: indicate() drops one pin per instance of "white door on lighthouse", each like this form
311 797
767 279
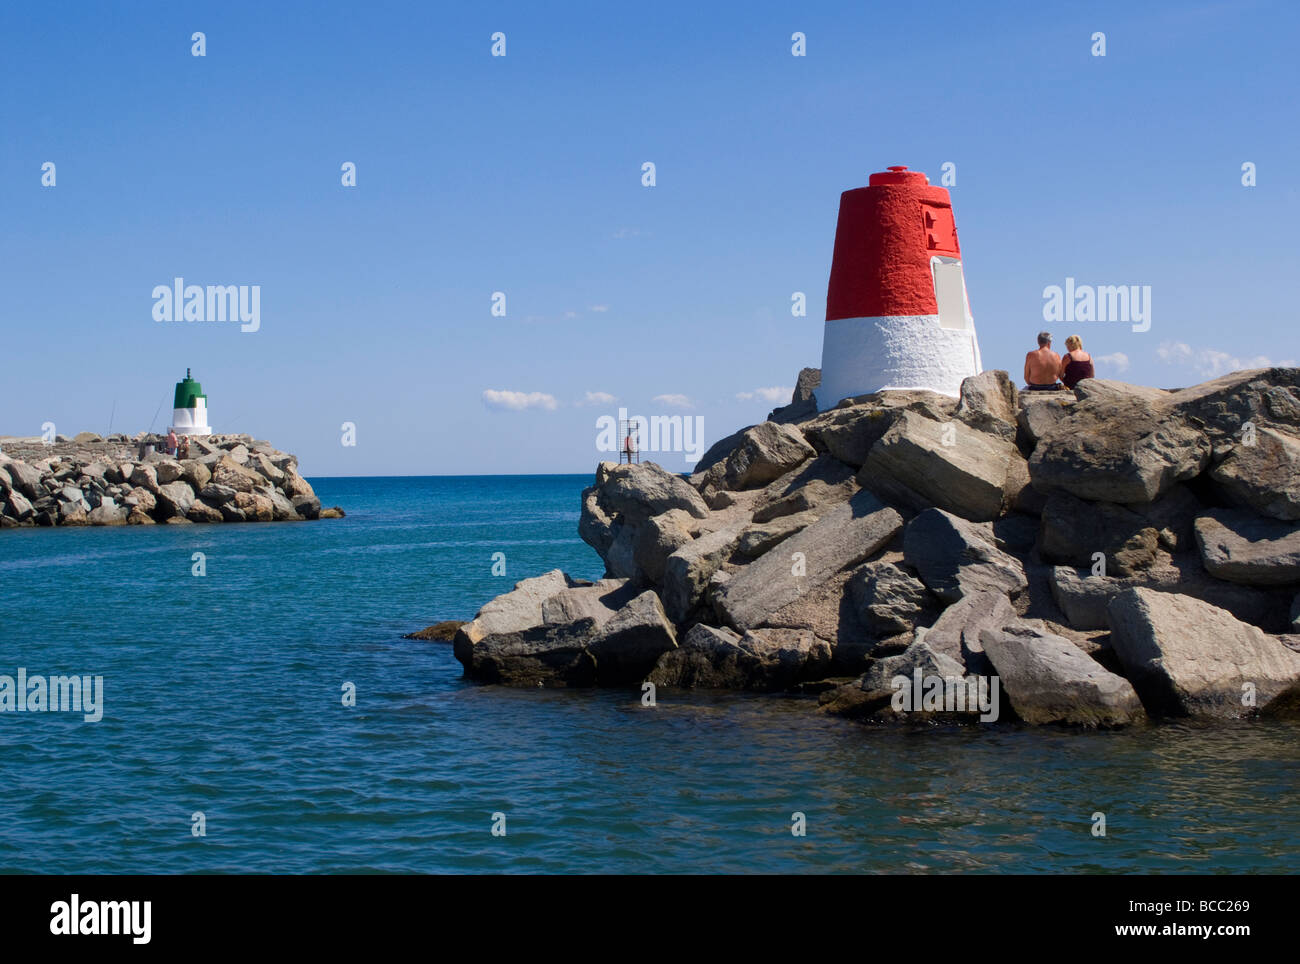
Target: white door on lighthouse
950 294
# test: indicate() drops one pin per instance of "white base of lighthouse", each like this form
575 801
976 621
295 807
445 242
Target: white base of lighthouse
865 355
191 421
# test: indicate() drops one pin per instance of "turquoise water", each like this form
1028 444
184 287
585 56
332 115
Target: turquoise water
223 695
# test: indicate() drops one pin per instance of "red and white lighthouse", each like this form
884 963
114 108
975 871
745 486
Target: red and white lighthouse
897 315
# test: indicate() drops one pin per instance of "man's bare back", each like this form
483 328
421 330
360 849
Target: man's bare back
1041 366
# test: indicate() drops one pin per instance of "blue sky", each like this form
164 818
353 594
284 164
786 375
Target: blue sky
522 174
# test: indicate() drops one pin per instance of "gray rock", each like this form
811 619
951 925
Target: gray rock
847 434
923 463
656 540
1122 447
688 570
765 453
108 513
898 674
763 659
25 479
759 537
1084 598
519 609
1048 679
195 473
230 473
72 513
307 506
167 471
1264 476
145 477
217 495
18 507
175 499
954 557
200 511
642 490
595 527
888 600
627 646
956 633
989 403
1073 530
1040 412
1246 549
846 535
1186 657
282 510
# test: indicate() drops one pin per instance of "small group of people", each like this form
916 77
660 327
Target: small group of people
177 448
1046 371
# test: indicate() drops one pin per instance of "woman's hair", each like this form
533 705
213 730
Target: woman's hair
1073 343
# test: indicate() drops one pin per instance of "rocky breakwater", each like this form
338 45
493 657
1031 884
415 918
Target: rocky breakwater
1094 558
89 480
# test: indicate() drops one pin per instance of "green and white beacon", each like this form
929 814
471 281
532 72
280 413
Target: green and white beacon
190 408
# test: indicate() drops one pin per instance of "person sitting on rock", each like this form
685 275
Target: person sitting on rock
1077 363
183 449
1042 366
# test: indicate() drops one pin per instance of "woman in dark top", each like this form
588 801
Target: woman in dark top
1076 364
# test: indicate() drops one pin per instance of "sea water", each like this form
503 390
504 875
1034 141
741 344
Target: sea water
225 744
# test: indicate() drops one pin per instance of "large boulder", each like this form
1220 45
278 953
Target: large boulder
990 403
1073 530
1085 598
848 534
255 506
195 473
107 513
758 537
25 479
956 633
630 642
817 484
1040 412
955 557
762 659
659 538
1118 446
175 498
167 471
226 471
1263 475
17 506
1186 657
642 490
200 511
1049 679
765 453
145 477
688 570
510 612
922 463
1244 548
888 600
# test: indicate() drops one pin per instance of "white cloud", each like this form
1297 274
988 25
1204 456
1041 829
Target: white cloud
598 398
504 400
600 307
1210 362
776 393
1117 361
622 234
673 401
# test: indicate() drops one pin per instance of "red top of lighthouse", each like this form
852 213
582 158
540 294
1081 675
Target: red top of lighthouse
885 237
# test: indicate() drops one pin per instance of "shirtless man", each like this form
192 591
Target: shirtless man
1041 366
